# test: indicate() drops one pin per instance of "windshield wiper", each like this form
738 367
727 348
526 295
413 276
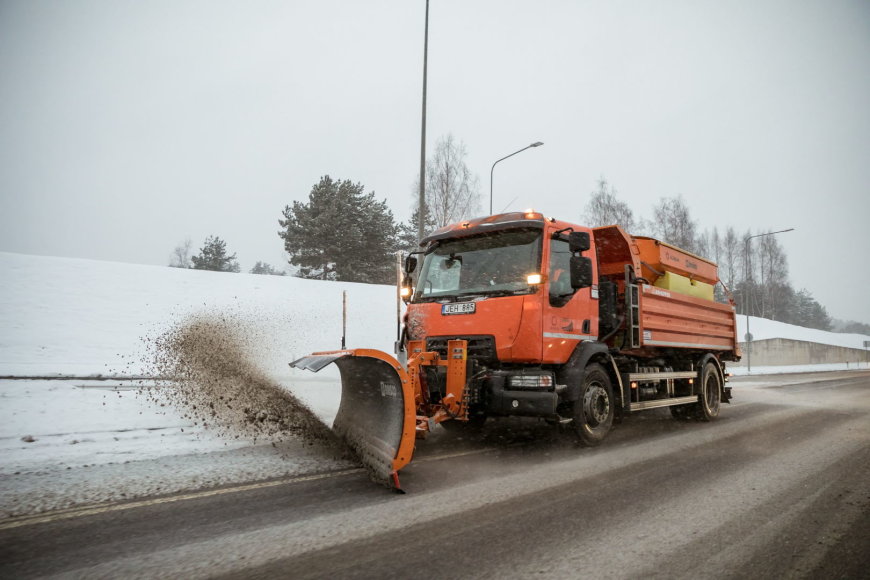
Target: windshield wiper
471 294
500 292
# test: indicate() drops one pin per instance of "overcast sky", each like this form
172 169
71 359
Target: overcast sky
127 126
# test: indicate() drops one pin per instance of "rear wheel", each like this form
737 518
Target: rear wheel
593 409
710 396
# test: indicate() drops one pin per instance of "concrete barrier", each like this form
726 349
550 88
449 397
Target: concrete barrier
784 351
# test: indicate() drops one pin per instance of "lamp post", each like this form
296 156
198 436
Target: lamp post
747 258
535 144
421 203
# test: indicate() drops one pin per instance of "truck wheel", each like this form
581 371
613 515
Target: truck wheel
710 397
593 410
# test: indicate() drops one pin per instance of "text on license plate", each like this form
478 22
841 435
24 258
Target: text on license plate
458 308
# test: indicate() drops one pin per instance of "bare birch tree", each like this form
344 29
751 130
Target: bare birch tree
672 223
181 255
452 191
604 209
773 266
730 257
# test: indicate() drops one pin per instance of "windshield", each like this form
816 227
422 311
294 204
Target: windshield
496 263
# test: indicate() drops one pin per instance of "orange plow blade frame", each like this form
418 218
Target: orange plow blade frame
377 414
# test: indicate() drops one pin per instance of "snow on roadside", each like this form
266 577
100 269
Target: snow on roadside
65 443
790 369
66 316
762 329
86 441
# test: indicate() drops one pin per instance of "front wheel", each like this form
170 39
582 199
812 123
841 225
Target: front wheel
710 397
594 408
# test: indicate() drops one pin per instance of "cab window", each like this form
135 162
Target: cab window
559 274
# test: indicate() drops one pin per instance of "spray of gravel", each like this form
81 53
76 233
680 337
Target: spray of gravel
206 372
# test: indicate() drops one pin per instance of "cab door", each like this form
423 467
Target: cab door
569 316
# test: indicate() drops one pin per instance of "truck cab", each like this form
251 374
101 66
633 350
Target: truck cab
521 290
504 283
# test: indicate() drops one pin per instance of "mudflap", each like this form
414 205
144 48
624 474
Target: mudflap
377 416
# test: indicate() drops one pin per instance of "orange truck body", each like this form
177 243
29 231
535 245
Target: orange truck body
527 329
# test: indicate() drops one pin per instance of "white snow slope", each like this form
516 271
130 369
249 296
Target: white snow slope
64 316
77 440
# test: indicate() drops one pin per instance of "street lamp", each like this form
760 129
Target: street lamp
747 257
535 144
421 203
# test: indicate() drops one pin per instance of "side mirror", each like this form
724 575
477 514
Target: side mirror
578 241
581 271
410 264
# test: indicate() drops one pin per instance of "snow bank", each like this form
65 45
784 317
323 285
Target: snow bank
763 329
739 370
65 316
90 441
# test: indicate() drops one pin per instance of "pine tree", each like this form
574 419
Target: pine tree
407 232
342 233
266 269
213 256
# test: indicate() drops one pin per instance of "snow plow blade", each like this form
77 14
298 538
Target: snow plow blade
377 415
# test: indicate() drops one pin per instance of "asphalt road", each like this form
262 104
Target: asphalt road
778 487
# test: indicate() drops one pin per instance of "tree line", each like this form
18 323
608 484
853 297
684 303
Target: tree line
343 233
753 266
213 255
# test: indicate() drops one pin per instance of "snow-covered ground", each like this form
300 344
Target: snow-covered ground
75 440
762 328
65 316
69 441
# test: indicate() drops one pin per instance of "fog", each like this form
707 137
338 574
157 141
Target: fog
127 127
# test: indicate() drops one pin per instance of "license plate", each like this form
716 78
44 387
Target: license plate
460 308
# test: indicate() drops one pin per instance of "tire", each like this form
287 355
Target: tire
710 395
594 408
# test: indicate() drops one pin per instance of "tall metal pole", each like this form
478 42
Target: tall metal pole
399 276
535 144
343 319
421 207
748 260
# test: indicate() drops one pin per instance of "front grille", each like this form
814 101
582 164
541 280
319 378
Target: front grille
480 347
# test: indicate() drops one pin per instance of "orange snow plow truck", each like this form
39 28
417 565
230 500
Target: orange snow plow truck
521 315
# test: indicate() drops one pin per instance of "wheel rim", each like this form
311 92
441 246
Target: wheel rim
596 405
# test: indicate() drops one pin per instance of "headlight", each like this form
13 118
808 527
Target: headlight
530 381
